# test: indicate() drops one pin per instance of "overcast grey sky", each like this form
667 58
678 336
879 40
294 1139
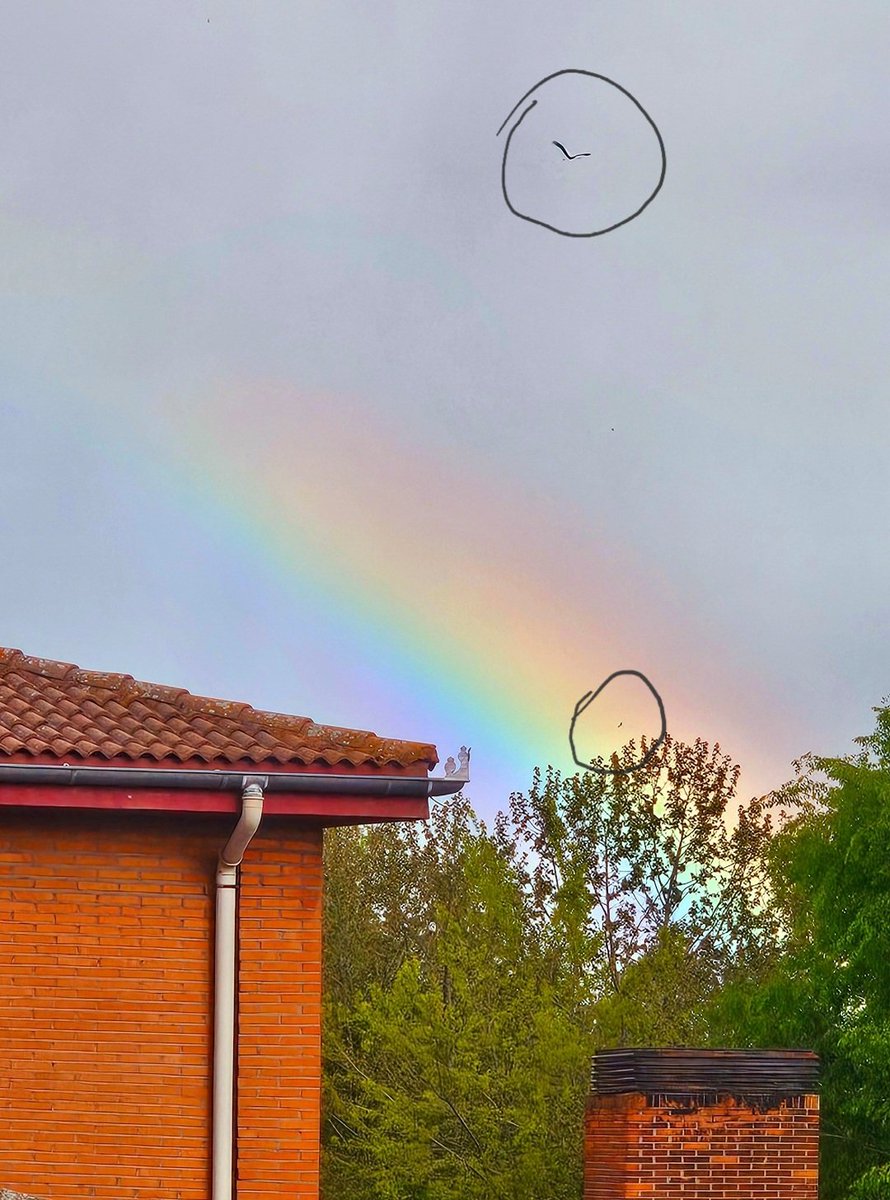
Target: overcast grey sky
686 417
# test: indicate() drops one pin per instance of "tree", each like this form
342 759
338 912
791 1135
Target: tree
452 1072
640 892
829 987
471 974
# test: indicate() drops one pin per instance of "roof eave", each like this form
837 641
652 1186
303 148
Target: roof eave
318 796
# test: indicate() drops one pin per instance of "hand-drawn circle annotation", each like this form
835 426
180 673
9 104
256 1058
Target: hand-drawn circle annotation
583 156
588 698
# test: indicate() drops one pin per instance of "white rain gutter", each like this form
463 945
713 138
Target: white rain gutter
224 983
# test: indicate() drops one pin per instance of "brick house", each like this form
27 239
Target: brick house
160 997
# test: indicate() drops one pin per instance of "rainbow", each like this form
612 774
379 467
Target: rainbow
481 627
460 604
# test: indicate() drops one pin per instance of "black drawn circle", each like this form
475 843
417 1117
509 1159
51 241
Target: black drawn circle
588 698
524 114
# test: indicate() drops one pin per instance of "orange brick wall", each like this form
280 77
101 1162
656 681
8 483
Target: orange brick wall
106 926
649 1149
279 1021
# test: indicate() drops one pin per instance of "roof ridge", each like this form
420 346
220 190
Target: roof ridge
313 729
276 720
49 668
212 706
9 657
113 681
88 710
131 688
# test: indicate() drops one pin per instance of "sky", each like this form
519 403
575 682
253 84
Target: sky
295 410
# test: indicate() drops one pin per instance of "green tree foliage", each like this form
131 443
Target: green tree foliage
471 974
829 988
640 890
452 1071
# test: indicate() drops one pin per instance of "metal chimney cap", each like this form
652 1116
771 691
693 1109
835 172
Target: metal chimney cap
688 1071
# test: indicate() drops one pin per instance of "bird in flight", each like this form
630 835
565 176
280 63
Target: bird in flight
583 154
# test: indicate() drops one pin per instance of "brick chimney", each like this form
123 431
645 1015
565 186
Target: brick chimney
702 1125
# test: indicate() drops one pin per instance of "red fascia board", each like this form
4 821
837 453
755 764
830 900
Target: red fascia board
358 809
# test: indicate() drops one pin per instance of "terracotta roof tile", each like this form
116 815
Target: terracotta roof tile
50 708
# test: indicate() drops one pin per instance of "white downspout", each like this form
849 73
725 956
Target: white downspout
223 1130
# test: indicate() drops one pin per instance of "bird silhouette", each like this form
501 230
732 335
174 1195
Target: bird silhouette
583 154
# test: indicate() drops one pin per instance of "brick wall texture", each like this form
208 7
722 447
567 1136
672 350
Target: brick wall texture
648 1148
106 961
279 1019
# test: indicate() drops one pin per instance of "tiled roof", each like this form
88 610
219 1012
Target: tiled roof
55 710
